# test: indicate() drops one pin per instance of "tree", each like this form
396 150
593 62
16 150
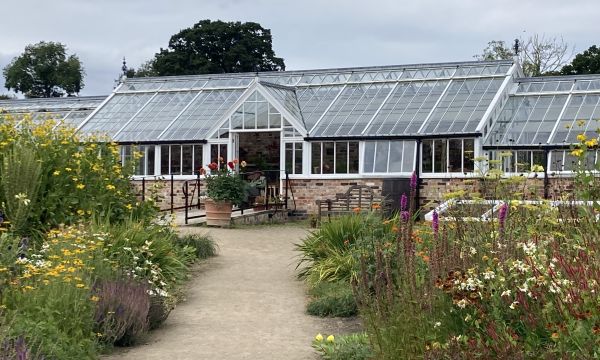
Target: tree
496 50
145 70
539 55
218 47
6 97
587 62
45 70
544 56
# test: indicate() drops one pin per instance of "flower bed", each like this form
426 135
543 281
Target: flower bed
83 265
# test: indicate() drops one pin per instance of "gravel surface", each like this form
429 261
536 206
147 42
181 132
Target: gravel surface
243 304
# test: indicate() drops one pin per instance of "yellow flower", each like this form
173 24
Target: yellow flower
581 137
129 206
110 187
319 337
56 173
80 285
591 142
68 169
330 338
80 212
577 152
94 298
80 186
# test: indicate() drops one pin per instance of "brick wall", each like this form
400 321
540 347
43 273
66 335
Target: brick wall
432 190
307 191
162 191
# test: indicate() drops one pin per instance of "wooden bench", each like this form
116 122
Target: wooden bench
358 198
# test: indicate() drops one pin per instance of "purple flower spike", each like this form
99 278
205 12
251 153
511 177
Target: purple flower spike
413 180
435 223
403 202
502 216
404 215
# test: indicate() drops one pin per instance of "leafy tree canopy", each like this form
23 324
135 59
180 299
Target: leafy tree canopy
496 50
588 62
45 70
216 47
539 55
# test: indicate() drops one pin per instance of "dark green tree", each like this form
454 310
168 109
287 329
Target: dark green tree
45 70
588 62
218 47
6 97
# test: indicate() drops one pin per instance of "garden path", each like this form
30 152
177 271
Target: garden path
243 304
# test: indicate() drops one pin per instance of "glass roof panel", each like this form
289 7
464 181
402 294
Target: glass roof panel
314 101
581 116
115 113
352 110
287 98
587 85
544 86
202 115
141 86
75 118
463 106
527 120
156 116
406 108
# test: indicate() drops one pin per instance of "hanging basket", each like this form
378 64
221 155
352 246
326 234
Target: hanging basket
218 213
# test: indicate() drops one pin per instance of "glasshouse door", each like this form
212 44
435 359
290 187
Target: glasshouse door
235 147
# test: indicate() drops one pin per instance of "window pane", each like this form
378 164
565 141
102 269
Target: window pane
469 157
408 156
341 158
214 153
223 152
538 158
396 149
455 155
298 158
381 156
556 159
354 155
150 160
187 164
175 159
141 162
427 156
289 157
316 158
262 117
328 157
197 157
440 156
369 156
249 115
164 159
523 161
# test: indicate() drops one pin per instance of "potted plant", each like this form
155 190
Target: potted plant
224 188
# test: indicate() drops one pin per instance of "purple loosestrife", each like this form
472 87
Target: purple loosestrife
435 224
502 217
403 202
413 181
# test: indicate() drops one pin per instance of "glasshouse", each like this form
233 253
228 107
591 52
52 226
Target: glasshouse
317 132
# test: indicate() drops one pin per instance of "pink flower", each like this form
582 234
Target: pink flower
213 166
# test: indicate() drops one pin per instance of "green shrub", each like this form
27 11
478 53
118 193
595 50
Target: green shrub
327 253
204 246
19 184
344 347
332 299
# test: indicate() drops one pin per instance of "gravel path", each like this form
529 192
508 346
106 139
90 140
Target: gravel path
243 304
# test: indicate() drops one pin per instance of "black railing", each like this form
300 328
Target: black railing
264 193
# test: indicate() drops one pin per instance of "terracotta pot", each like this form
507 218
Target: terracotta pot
218 213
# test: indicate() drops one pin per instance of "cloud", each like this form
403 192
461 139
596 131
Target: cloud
307 34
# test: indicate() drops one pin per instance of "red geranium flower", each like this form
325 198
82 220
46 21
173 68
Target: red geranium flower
230 164
213 166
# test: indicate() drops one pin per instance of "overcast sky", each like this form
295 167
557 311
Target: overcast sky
306 33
